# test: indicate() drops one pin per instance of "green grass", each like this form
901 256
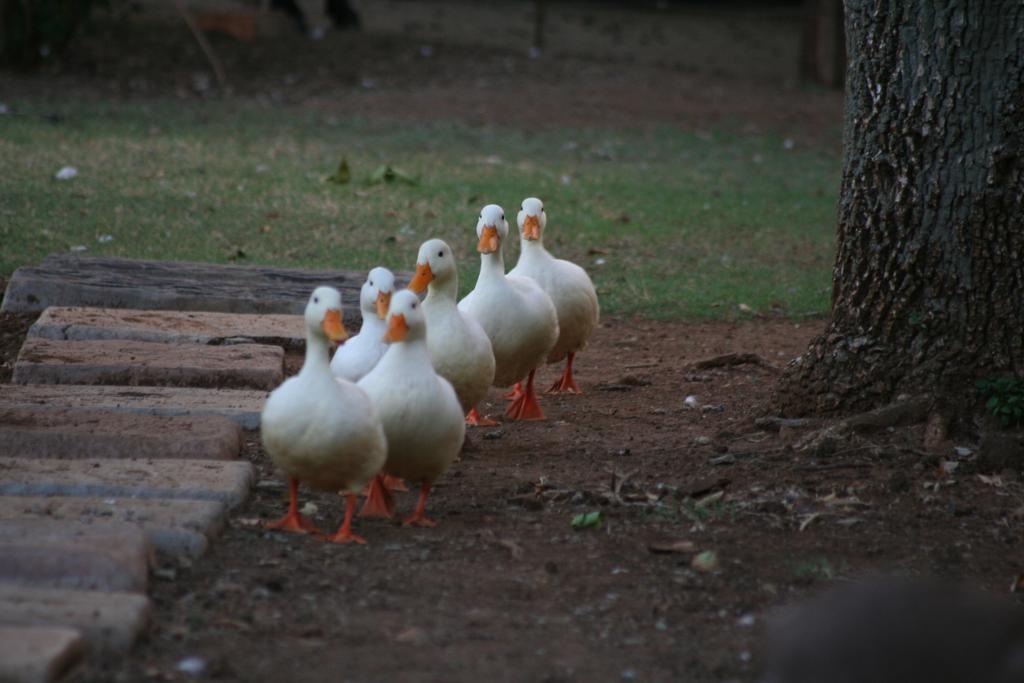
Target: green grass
687 225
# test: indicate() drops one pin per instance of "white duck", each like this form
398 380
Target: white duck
567 284
459 347
421 415
320 430
360 353
517 315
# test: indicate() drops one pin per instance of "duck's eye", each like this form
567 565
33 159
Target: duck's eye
414 305
502 216
371 283
316 299
440 253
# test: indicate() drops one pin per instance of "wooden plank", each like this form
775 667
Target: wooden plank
49 553
110 623
173 527
71 280
132 363
75 323
60 432
241 405
38 654
226 481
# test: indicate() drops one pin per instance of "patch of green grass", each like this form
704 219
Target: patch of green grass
668 223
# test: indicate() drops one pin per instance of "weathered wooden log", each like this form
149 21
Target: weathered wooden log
70 280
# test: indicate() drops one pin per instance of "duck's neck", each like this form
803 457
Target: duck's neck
318 358
412 350
492 267
443 290
532 248
372 324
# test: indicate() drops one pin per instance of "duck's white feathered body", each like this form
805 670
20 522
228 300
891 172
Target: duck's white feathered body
324 432
420 413
571 291
515 313
459 348
320 430
360 353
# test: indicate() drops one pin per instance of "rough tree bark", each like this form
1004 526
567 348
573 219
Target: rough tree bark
928 286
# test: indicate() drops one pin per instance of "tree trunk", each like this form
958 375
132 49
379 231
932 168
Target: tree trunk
928 286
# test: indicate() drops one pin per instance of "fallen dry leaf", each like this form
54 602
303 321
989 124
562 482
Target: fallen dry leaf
671 546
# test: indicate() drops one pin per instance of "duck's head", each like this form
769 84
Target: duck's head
491 229
532 219
375 296
323 314
405 318
434 262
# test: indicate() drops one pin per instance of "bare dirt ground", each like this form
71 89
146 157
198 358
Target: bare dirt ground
504 589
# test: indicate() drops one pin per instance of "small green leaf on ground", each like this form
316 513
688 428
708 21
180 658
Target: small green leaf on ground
587 520
389 174
343 175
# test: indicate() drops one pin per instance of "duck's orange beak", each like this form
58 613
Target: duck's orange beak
488 240
397 329
531 228
424 276
383 301
332 326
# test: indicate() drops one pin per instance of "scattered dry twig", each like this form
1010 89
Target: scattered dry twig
729 359
211 56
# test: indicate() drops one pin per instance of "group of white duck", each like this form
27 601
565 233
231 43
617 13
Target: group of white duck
394 402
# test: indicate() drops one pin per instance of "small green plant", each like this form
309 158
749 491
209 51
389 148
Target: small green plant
588 520
715 510
1004 398
814 569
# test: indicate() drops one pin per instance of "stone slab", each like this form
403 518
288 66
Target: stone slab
74 280
173 527
241 405
38 654
57 554
109 623
178 327
226 481
59 432
133 363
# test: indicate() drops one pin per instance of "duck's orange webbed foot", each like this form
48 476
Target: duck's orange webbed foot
475 419
419 517
516 392
394 483
344 533
566 384
293 520
526 406
379 502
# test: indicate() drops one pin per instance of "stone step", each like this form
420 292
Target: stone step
173 527
56 432
39 654
241 405
180 327
109 623
71 280
226 481
56 554
241 366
